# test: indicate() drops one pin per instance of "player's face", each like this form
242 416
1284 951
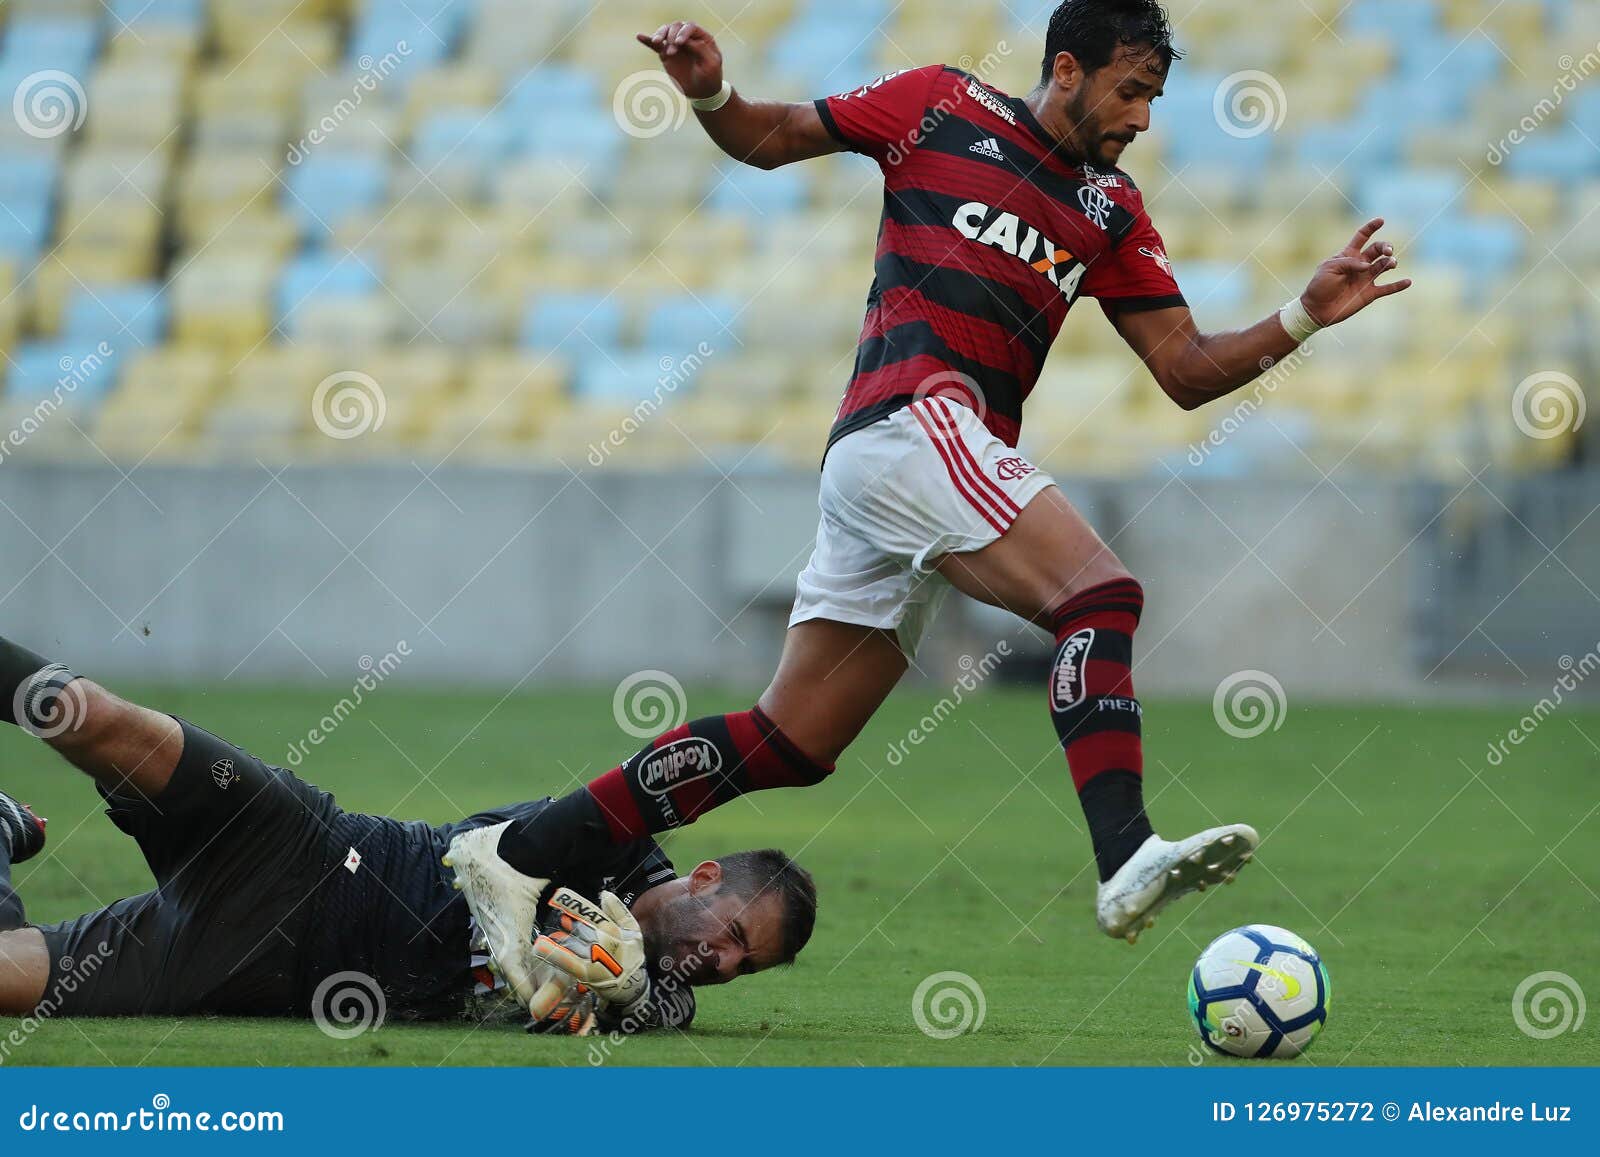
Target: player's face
711 936
1111 106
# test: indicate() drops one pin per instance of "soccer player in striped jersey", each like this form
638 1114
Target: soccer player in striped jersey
1000 213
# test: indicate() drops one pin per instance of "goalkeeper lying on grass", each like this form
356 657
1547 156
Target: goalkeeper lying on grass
267 891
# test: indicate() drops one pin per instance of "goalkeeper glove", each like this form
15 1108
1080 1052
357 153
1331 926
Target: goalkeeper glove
601 947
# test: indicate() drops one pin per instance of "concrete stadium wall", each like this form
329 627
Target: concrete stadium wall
514 578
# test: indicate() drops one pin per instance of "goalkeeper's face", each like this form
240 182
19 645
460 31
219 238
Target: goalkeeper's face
703 933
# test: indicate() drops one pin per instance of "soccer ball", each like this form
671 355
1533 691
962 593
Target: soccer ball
1259 991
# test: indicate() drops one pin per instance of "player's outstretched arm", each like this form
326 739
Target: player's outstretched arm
765 134
1194 368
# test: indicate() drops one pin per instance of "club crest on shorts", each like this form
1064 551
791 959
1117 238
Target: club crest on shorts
222 773
1010 469
1066 678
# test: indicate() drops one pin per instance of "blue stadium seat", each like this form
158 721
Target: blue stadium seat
27 175
1414 101
1487 247
480 137
1215 285
64 43
677 327
38 368
585 136
1448 61
550 86
314 276
746 192
1399 20
382 31
1411 197
623 378
1583 110
184 13
572 323
122 315
1354 147
25 224
327 187
1555 153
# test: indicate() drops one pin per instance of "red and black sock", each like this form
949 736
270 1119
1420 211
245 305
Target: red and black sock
1097 717
701 765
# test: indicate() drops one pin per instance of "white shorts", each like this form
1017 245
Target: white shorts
898 495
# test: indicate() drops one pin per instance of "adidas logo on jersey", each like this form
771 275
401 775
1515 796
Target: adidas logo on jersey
989 148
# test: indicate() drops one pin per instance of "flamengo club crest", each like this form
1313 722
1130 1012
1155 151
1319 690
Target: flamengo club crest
1010 469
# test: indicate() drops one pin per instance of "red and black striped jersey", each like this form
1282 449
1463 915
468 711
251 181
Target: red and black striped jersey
988 237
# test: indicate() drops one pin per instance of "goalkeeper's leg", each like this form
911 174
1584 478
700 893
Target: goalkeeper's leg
1052 569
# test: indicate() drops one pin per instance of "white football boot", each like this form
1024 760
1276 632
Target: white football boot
1161 871
505 903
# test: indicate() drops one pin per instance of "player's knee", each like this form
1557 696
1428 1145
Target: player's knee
1104 568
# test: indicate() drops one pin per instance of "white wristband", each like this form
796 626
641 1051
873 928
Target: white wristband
1297 320
713 103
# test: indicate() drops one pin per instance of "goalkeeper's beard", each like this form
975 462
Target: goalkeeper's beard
675 938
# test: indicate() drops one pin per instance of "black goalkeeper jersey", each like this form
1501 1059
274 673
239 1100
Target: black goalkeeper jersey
386 906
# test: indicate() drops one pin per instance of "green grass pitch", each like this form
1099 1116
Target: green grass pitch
1430 893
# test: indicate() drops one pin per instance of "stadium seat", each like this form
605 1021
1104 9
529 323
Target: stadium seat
124 315
574 324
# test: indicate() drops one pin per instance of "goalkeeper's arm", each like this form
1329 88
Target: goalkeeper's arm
765 134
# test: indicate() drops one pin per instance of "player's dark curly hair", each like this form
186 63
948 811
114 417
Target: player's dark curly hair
1093 30
749 874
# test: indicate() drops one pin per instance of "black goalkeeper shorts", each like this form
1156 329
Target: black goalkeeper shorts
237 848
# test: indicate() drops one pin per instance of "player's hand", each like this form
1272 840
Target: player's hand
690 55
572 1014
601 947
1347 282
